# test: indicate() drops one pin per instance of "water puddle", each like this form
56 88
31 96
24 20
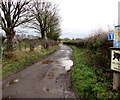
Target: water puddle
66 62
65 58
47 62
62 50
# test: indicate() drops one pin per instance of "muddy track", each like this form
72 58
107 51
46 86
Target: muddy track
49 78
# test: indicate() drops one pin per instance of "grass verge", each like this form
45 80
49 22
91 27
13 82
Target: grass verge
88 81
22 59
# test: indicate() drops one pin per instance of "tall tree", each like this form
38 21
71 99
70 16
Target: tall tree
54 32
13 14
46 17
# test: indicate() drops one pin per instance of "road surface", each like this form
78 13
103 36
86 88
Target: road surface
49 78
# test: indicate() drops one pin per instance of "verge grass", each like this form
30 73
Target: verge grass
23 59
88 81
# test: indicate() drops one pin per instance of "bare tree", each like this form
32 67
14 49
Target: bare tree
13 14
46 18
54 32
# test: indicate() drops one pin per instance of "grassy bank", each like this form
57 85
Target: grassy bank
90 82
22 59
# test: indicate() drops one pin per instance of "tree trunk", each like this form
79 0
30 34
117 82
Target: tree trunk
9 46
43 34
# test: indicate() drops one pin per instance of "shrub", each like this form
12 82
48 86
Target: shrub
99 47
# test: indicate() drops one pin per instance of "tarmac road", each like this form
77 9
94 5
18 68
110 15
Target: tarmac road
49 78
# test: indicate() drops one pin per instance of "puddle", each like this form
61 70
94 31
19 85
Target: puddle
47 62
68 51
65 58
66 63
62 50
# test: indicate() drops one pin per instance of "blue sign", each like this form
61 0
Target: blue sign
111 36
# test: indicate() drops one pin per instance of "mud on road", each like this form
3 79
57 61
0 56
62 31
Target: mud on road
49 78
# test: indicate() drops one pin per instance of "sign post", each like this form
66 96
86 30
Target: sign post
115 54
116 81
115 65
115 59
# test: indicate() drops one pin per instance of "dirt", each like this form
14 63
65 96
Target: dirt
47 61
45 79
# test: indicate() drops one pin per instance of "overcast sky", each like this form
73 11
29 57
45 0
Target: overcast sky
81 17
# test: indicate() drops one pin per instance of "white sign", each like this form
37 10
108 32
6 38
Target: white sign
115 60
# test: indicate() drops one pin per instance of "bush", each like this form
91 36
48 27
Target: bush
89 82
99 47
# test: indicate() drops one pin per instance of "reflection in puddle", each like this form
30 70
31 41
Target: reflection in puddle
62 50
62 59
66 63
47 61
68 51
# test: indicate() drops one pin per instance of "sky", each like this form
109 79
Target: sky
81 17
